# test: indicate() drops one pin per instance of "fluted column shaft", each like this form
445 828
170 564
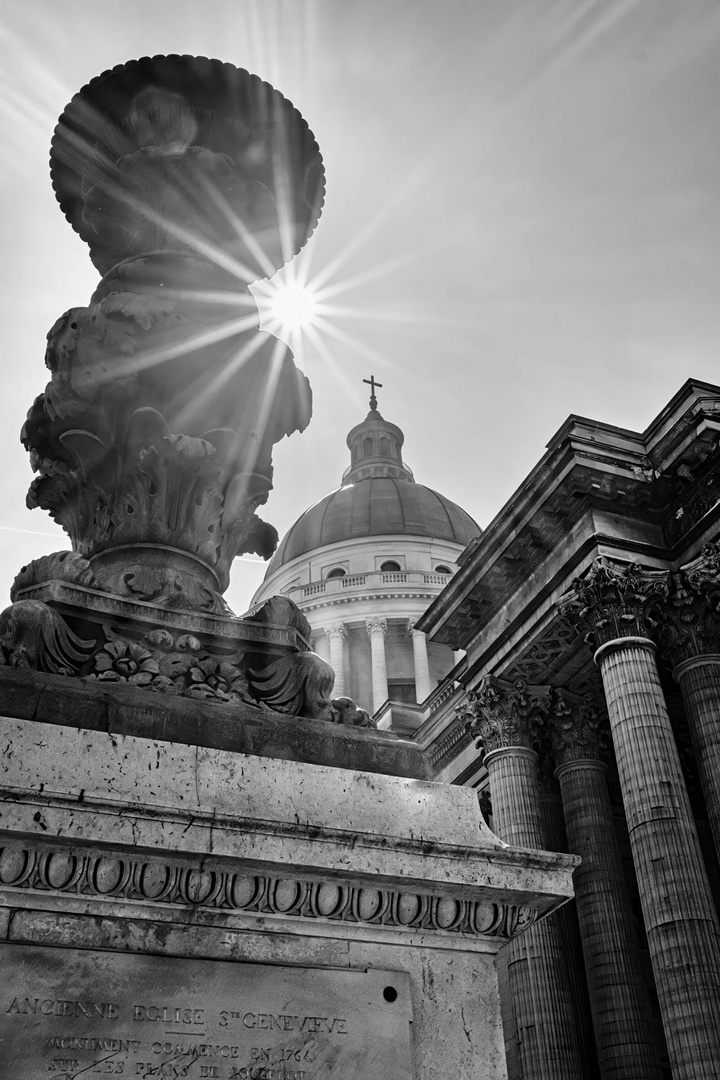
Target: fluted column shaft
699 681
546 1036
376 629
618 999
680 920
423 685
552 825
336 636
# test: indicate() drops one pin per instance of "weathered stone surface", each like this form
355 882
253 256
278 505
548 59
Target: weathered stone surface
129 710
456 1022
123 843
107 789
74 1011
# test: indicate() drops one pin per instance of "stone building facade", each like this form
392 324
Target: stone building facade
363 564
587 715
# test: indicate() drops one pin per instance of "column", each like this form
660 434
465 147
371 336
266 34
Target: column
618 602
504 715
552 827
699 681
377 628
690 639
423 685
336 636
619 1004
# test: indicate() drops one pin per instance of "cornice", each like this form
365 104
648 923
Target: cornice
366 598
613 471
148 880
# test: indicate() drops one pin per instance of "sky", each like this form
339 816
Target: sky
521 222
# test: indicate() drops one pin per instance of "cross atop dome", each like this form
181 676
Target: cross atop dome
372 384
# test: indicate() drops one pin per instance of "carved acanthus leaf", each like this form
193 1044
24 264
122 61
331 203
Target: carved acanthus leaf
35 636
690 623
615 599
578 729
67 566
501 713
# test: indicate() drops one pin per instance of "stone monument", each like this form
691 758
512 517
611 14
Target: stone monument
209 867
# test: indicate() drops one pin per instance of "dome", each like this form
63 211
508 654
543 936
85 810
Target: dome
375 506
378 497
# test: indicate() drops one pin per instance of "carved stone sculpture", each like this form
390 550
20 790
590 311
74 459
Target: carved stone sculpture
349 713
153 441
188 179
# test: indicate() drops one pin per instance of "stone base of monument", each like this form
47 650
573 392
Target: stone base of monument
177 909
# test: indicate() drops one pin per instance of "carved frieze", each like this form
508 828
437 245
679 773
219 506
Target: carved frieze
615 599
500 713
297 682
112 877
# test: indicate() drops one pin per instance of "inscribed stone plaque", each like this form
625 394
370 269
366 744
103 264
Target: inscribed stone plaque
70 1013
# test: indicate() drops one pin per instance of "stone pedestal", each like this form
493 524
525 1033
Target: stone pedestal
145 848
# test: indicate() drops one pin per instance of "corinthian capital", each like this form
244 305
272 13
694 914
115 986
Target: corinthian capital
577 731
702 575
615 599
376 626
690 623
337 632
502 713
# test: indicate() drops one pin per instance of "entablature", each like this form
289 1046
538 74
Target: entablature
594 487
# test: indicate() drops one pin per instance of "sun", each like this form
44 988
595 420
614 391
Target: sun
292 306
